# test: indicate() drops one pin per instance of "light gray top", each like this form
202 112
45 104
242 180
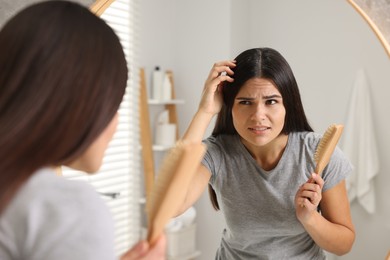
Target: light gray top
55 218
258 205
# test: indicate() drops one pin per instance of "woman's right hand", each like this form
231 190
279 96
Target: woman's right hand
143 251
211 101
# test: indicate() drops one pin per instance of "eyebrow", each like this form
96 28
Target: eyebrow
264 97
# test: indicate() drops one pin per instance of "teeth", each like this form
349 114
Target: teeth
260 129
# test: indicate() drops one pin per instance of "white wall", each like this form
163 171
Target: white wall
325 42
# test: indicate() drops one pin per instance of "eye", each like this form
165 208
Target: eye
245 102
271 101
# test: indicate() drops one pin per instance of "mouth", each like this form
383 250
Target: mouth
259 129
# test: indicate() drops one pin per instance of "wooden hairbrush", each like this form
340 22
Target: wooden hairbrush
326 147
171 185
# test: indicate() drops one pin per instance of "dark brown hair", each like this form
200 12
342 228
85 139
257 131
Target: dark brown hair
269 64
63 77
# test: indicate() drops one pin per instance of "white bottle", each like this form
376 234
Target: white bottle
165 134
157 81
166 93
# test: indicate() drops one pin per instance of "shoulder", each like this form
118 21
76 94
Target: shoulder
49 210
46 188
306 138
221 142
219 149
310 141
306 142
223 146
338 167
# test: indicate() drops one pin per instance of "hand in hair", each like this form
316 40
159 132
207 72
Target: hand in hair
211 101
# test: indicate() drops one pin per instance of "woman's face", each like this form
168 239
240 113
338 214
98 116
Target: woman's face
258 112
91 160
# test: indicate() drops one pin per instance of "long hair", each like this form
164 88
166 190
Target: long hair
269 64
63 77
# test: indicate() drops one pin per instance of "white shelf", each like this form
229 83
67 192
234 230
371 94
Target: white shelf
165 102
160 148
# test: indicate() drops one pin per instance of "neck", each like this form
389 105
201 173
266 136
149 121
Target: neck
268 156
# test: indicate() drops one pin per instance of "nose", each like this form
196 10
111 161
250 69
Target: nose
258 113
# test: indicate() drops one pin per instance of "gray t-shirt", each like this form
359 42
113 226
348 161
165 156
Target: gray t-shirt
54 218
258 205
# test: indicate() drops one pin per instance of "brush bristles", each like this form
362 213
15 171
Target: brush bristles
330 131
174 177
326 146
164 177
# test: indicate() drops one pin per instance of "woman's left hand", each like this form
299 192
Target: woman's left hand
308 197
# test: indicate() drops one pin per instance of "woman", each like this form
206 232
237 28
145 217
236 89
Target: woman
63 77
260 164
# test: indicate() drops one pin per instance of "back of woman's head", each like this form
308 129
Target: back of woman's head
63 77
269 64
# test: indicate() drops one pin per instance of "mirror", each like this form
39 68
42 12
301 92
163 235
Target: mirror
377 15
325 42
99 6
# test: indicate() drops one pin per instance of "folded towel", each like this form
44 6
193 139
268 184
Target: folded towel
359 144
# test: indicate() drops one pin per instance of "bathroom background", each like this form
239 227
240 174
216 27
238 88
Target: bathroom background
326 44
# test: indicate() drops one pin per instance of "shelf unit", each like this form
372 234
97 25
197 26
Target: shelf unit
148 148
146 133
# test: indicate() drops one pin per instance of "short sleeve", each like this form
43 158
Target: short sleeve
338 169
212 158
